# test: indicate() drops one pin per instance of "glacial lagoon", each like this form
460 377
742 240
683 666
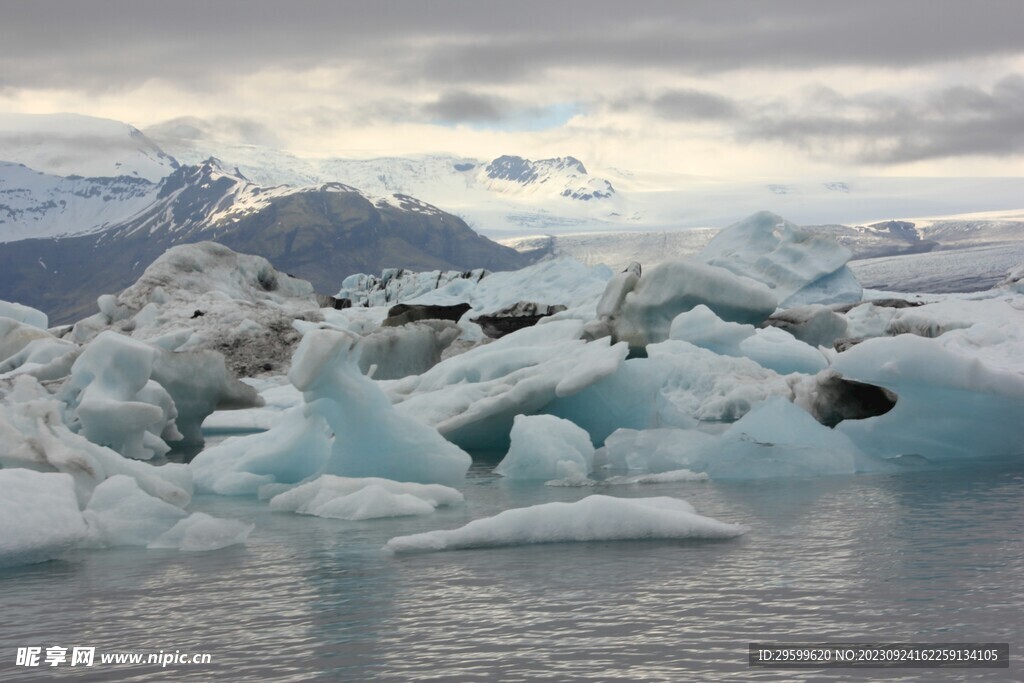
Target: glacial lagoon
931 556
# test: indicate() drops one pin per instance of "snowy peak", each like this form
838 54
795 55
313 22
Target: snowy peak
35 204
564 176
524 171
71 144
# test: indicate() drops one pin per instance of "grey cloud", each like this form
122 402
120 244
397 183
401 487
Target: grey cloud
466 107
110 44
235 129
693 105
954 122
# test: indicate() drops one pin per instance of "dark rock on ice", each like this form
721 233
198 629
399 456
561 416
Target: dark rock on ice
401 314
515 317
837 399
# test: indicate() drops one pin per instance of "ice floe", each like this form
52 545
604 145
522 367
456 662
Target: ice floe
546 447
364 498
595 518
39 516
801 267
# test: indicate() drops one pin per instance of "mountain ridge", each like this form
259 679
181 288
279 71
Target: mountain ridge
321 234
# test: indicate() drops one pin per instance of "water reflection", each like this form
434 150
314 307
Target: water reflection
923 556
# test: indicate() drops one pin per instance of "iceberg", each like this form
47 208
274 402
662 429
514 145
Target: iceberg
120 513
201 532
296 448
595 518
775 439
24 314
204 296
800 266
669 477
677 385
117 404
770 347
546 447
652 450
34 436
39 516
473 398
410 349
46 358
814 324
640 310
364 498
16 335
951 405
370 437
556 282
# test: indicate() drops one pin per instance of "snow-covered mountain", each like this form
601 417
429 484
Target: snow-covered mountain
71 144
508 194
512 196
36 204
320 233
566 177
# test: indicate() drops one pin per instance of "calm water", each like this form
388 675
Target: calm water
933 557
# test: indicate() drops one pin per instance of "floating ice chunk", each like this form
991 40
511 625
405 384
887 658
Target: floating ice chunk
546 447
595 518
396 285
16 335
868 320
237 304
410 349
276 399
558 281
676 385
363 498
646 312
296 448
653 450
950 406
121 513
199 383
670 477
39 516
24 314
473 398
777 439
816 324
117 405
770 347
701 327
200 531
840 287
34 436
371 437
44 358
780 351
801 267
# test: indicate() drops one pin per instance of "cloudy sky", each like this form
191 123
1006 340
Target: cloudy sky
908 87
